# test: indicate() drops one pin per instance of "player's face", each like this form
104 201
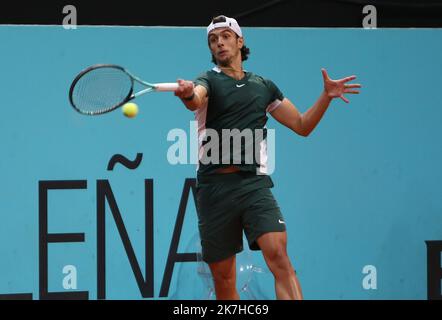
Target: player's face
225 45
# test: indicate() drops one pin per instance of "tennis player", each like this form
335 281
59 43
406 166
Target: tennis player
234 197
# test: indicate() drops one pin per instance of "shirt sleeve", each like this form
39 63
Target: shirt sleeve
276 96
203 80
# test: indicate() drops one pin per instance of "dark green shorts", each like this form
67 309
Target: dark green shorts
229 203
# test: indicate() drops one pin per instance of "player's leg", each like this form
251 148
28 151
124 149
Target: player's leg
224 277
266 231
274 248
219 222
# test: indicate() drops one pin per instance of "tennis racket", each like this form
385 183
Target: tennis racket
103 88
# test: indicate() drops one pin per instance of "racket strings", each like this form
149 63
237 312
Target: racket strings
101 90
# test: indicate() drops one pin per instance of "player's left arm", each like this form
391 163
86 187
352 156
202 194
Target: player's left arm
303 124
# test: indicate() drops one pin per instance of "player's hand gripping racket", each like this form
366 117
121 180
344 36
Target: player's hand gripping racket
103 88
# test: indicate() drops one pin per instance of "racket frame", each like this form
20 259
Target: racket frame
130 96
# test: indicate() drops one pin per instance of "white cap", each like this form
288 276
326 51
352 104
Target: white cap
229 23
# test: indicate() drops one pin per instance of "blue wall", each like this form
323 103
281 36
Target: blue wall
362 189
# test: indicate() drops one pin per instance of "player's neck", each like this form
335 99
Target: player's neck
233 70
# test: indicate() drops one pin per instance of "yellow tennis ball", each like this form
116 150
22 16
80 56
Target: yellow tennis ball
130 110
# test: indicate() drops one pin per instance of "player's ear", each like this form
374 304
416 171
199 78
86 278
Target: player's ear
241 42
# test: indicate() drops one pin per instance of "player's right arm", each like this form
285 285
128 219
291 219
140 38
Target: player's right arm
193 97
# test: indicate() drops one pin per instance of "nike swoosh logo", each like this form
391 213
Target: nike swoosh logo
280 221
240 85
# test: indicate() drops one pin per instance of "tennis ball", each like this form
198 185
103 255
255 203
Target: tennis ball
130 110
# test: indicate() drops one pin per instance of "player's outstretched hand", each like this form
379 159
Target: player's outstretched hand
337 88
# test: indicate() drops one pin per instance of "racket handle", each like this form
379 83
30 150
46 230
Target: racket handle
168 86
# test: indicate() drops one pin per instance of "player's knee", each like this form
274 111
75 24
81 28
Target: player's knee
224 280
279 259
277 255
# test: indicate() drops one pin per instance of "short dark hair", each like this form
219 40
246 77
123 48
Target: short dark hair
244 50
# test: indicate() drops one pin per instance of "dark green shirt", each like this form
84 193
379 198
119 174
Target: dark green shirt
235 104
